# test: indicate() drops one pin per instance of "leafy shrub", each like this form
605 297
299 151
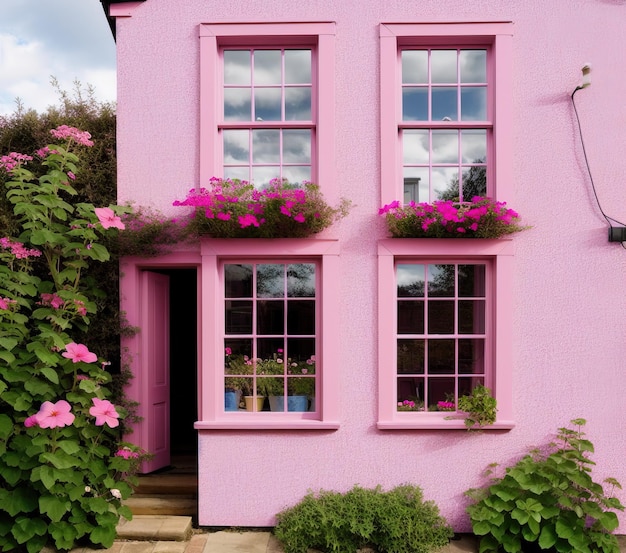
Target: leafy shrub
63 472
548 499
480 407
397 521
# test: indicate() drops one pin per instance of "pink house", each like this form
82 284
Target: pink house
376 101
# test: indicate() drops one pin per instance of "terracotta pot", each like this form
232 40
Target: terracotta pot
250 403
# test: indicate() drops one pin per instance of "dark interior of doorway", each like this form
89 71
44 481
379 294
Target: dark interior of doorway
183 362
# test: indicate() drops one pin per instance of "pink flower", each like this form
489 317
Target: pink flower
52 415
31 421
81 137
105 412
79 352
299 218
223 216
126 453
108 219
71 175
4 303
228 351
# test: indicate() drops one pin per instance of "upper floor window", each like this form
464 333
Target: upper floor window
267 103
445 131
268 126
445 128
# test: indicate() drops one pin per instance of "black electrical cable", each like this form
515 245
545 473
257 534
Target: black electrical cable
609 220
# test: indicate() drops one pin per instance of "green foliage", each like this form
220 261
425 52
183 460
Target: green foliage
548 498
63 472
396 521
480 406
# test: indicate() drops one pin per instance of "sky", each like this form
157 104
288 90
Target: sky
66 39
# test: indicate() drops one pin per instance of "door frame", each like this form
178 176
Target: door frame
133 345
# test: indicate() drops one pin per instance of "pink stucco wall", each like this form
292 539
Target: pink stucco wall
569 294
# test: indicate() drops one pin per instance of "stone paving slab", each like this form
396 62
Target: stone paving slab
155 528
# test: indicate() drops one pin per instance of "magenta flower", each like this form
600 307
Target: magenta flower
228 351
78 353
108 219
299 218
31 421
72 133
223 216
105 412
52 415
126 453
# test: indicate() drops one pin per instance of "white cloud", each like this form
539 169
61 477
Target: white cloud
66 39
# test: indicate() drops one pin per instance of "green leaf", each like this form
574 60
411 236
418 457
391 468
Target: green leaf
55 507
69 446
47 476
64 535
59 459
547 537
50 374
25 528
609 521
104 535
6 425
8 343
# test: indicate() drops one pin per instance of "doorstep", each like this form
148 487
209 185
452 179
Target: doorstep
155 528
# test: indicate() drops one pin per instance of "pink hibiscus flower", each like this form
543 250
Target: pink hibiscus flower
108 219
51 415
105 412
79 352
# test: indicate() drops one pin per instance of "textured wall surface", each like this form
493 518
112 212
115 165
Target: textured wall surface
570 290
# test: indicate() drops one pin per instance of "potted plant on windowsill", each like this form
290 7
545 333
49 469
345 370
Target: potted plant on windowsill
480 218
479 408
236 209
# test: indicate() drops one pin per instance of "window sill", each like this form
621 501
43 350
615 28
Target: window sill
267 425
424 422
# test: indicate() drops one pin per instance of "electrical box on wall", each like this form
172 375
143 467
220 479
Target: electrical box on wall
617 234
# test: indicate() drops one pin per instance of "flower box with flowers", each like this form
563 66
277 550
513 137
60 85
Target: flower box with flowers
480 218
236 209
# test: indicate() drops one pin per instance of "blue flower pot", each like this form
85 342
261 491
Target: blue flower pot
294 403
231 401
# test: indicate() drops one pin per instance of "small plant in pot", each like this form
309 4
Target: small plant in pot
480 407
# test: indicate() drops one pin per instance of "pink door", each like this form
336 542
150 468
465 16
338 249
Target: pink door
155 369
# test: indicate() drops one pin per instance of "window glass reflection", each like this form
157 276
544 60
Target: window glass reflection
410 280
415 146
410 356
445 146
266 146
297 66
414 104
445 182
267 104
297 146
473 146
441 281
443 66
237 281
416 185
236 146
444 104
297 174
262 175
474 103
237 104
414 66
473 66
298 103
267 67
270 280
237 67
301 280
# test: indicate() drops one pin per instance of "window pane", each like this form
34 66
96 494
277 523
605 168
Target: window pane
473 66
474 103
415 146
301 280
267 104
474 182
415 66
301 349
471 317
297 146
297 174
439 389
301 317
267 67
238 346
414 104
410 317
410 355
298 104
440 356
441 317
416 184
241 173
441 281
474 146
472 281
238 318
410 390
237 104
472 356
261 176
444 104
266 146
443 66
410 280
445 146
445 182
270 280
238 281
237 67
297 66
270 317
271 348
236 146
466 385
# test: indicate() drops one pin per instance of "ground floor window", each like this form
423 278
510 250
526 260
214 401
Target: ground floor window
270 329
443 332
